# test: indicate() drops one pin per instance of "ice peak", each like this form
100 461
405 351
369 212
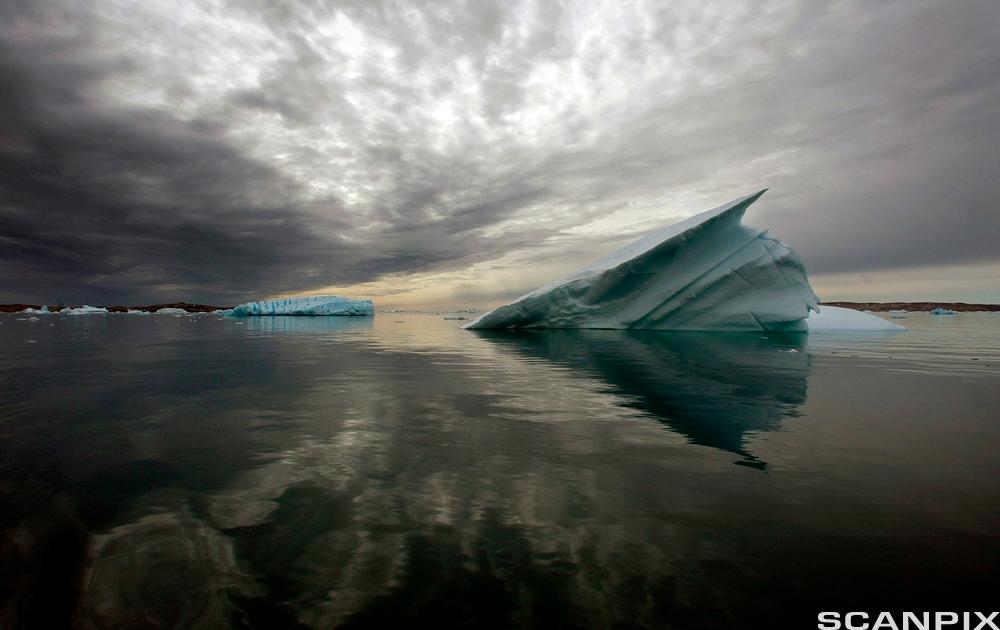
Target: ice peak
707 272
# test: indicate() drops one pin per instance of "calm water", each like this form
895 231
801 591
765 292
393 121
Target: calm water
198 472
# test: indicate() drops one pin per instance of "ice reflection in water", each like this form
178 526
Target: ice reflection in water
711 388
359 472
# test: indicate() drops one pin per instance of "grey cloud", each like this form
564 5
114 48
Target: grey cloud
118 204
873 125
905 175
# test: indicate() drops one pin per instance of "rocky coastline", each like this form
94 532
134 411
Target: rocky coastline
152 308
917 307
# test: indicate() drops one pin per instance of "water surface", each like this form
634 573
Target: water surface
161 471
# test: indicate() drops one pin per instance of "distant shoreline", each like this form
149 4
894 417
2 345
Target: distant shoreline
152 308
959 307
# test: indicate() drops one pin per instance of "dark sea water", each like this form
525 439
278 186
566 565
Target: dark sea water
161 471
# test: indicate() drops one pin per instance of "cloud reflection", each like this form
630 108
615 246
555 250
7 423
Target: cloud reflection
357 471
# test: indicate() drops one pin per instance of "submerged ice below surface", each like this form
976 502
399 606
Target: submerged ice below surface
707 273
315 305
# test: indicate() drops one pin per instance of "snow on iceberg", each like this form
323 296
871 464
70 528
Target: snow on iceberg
316 305
85 310
708 272
838 319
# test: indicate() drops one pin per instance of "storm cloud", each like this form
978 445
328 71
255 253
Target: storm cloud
213 151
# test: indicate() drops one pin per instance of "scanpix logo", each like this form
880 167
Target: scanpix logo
860 620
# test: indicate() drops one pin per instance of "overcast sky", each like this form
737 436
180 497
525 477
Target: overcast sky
438 153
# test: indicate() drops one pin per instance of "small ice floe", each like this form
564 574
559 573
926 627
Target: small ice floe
30 341
789 350
839 319
942 311
170 310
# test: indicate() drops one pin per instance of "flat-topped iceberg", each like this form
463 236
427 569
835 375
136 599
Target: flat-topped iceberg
315 305
84 310
708 272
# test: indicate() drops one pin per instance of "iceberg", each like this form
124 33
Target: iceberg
171 311
315 305
706 273
85 310
839 319
942 311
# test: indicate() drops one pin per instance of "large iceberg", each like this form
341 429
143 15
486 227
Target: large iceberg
315 305
709 272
